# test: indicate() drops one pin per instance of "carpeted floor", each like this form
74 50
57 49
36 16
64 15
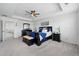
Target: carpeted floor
15 47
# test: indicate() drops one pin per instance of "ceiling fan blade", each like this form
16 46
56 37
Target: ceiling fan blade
37 13
27 12
35 16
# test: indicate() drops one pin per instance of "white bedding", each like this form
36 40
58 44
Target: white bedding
40 37
47 35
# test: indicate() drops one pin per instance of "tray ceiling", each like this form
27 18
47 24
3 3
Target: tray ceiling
18 9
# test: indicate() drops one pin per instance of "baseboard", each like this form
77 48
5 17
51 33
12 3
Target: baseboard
70 43
78 44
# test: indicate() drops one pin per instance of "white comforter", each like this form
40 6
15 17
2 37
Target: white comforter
47 35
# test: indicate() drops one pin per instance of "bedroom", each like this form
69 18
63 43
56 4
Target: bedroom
59 18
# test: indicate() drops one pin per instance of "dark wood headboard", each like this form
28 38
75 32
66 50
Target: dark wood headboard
49 28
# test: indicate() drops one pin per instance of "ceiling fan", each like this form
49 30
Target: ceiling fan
32 13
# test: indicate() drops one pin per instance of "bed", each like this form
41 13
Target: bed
44 34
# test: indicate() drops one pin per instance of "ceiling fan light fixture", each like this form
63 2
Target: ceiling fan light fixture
33 13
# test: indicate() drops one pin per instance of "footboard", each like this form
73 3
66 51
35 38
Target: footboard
37 39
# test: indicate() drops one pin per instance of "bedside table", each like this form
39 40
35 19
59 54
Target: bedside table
56 37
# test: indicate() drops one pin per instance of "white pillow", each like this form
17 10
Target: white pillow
44 31
48 34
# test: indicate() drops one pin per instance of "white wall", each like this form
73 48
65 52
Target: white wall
78 27
68 27
18 26
38 22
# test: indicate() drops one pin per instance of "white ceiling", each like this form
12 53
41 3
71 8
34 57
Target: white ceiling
45 9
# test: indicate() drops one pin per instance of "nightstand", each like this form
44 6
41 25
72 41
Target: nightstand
56 37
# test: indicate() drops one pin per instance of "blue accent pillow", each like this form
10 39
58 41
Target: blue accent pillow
32 34
42 34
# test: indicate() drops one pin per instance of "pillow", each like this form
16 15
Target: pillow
49 30
44 30
48 34
32 34
42 34
40 29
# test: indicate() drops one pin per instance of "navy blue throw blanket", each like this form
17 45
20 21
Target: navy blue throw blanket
32 34
42 34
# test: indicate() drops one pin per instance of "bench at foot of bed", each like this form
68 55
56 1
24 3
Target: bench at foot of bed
28 40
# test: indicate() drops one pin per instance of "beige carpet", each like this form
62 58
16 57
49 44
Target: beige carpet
15 47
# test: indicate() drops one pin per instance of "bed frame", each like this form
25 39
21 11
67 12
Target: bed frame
37 39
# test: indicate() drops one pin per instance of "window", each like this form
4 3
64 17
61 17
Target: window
26 26
45 23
